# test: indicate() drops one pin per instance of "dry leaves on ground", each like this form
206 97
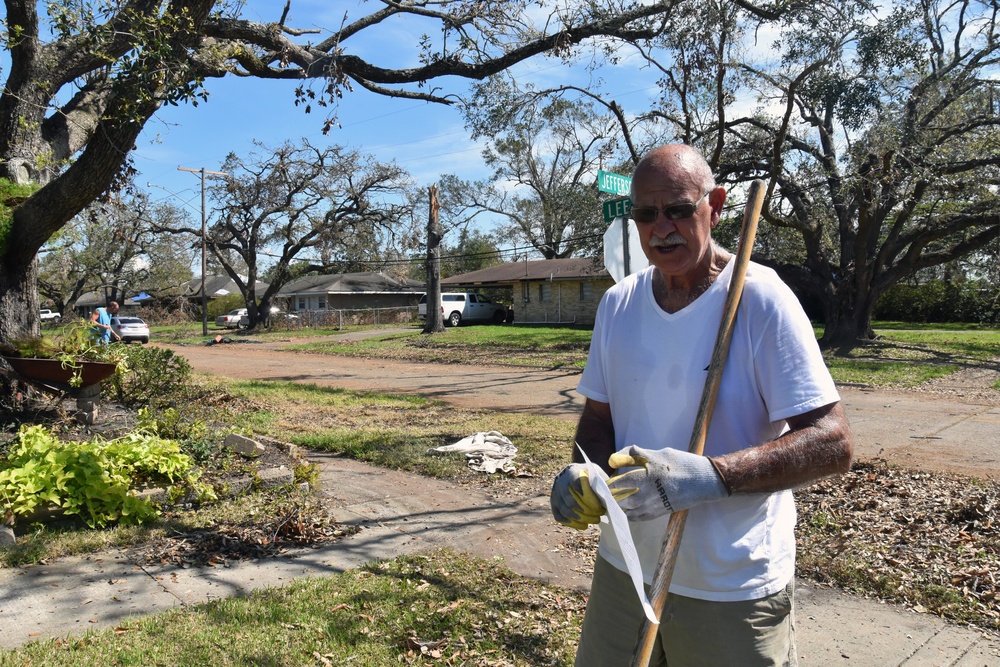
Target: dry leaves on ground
928 540
307 525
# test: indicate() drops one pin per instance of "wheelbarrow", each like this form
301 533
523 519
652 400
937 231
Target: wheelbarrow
52 376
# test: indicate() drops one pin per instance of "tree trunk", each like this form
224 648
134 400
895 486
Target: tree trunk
434 322
18 302
848 321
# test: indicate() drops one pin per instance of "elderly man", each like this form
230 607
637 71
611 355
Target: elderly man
777 424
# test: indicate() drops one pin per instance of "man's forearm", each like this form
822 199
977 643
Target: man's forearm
595 433
819 444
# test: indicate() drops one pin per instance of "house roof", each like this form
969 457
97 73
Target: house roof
369 282
93 300
215 286
539 269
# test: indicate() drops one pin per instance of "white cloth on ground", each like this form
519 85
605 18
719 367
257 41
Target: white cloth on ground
484 451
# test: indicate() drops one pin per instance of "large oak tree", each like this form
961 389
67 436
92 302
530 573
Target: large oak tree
87 76
876 124
544 154
878 127
111 248
276 205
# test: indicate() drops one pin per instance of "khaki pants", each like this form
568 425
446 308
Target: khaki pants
692 632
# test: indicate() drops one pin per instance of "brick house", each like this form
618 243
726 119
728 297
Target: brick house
556 291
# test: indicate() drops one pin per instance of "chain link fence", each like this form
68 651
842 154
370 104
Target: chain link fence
347 317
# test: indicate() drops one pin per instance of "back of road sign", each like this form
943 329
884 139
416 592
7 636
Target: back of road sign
619 263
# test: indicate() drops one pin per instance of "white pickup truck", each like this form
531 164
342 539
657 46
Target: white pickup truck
47 315
458 307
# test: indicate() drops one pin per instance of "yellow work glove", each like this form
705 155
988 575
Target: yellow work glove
666 480
573 501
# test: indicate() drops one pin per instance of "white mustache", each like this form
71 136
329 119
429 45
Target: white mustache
670 241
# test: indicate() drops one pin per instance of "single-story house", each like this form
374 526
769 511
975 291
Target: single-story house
88 301
215 287
351 291
545 290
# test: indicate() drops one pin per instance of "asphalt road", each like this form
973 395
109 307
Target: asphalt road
951 429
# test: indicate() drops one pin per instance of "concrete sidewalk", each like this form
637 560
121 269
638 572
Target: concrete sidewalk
401 513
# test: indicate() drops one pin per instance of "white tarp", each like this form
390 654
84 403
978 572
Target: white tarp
484 451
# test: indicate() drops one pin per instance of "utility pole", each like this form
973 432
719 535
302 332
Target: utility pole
204 232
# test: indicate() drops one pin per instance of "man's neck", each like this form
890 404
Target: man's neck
673 296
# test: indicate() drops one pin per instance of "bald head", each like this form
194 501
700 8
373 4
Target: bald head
679 164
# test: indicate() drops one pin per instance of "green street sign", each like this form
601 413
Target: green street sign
616 208
615 184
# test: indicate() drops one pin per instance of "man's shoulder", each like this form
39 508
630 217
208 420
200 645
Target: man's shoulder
765 282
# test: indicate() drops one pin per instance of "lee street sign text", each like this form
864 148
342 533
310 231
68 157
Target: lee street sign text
616 208
615 184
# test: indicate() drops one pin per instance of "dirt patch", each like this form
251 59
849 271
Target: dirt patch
974 383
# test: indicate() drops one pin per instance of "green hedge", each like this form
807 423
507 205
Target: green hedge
939 301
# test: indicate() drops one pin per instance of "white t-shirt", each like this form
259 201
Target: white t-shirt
650 366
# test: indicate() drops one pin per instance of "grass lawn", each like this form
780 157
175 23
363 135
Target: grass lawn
906 357
439 608
434 608
903 355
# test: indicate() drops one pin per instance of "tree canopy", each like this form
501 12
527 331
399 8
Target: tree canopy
877 126
544 153
111 248
277 203
85 77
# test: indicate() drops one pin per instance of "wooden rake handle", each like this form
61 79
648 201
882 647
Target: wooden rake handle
675 526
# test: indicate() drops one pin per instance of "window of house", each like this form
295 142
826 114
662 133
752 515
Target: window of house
544 291
302 303
586 291
321 302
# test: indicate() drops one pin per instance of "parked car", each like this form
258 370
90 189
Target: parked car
47 315
277 315
231 320
130 329
458 307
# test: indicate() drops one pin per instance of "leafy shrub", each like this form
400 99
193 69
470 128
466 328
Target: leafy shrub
154 374
89 479
940 301
223 304
193 435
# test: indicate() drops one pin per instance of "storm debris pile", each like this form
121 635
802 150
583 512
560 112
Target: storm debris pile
309 525
927 540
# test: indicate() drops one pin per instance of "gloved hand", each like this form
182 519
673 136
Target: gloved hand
574 503
668 480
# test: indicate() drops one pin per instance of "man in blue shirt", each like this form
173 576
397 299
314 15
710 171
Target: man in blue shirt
101 319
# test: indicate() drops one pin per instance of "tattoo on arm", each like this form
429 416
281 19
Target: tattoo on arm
819 444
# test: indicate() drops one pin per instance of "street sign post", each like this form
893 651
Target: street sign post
623 253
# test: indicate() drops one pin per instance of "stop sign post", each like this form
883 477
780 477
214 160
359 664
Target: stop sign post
623 253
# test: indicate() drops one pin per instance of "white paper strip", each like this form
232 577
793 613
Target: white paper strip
618 523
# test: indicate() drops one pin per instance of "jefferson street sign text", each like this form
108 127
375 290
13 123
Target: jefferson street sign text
615 184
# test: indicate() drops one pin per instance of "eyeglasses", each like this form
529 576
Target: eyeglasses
646 214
